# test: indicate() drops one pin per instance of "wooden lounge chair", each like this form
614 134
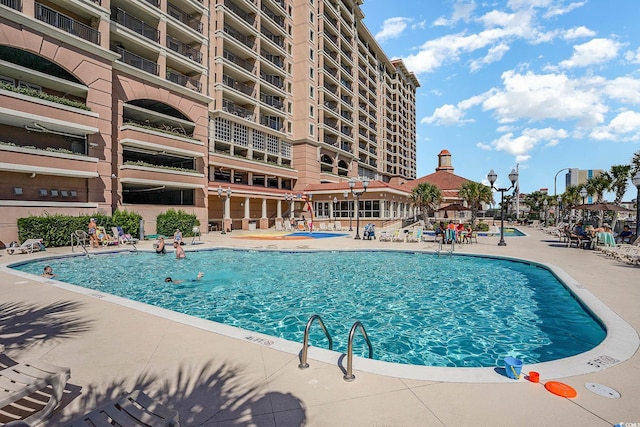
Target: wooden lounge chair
133 409
24 379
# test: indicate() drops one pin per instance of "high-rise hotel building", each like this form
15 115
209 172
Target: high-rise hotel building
230 109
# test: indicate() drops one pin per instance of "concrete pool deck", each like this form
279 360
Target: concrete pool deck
215 380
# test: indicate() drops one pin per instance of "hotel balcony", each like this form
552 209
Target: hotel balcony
137 61
187 19
248 17
13 4
184 80
135 24
66 23
30 160
242 63
248 41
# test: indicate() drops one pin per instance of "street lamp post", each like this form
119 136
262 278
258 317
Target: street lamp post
346 197
357 194
289 198
545 203
335 203
492 177
559 200
555 178
636 182
227 195
583 194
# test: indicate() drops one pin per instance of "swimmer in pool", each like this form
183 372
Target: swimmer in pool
48 272
170 280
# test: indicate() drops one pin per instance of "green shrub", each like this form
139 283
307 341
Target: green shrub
129 221
55 230
170 220
482 226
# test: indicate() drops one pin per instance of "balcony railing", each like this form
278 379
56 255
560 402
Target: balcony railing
247 65
134 24
183 80
272 122
182 16
275 18
274 59
272 101
66 23
13 4
273 79
239 86
276 39
249 18
247 41
184 49
136 61
234 109
154 3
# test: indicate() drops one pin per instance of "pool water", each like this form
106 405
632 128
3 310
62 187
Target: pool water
417 308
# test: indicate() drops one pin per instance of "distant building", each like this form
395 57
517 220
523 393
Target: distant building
577 177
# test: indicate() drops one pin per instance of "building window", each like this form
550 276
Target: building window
311 35
258 140
311 54
311 92
311 73
321 209
311 130
240 135
311 17
311 111
369 208
272 144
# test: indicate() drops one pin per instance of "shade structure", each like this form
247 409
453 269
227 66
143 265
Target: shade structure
454 207
601 207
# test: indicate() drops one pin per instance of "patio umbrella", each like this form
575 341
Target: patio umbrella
601 207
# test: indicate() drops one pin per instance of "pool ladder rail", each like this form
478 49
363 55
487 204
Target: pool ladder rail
79 238
348 376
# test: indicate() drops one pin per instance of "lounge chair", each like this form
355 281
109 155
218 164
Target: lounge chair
337 226
133 409
122 237
278 226
21 380
398 236
369 231
29 246
416 235
287 225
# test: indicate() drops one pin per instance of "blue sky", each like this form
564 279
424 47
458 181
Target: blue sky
546 84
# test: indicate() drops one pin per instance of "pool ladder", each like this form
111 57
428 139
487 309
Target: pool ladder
452 247
79 238
348 376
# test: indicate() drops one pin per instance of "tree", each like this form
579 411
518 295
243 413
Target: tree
619 182
428 197
635 163
597 186
474 194
535 201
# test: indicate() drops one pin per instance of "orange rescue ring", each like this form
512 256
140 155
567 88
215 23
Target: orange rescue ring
561 389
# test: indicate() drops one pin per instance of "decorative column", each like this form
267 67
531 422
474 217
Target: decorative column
264 219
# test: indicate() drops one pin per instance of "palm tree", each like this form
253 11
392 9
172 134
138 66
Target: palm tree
474 194
535 201
597 186
508 203
428 197
619 182
635 163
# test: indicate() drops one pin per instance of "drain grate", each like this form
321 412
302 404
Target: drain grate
602 390
602 361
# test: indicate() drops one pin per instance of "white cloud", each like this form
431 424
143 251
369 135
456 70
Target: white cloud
557 10
622 89
595 51
625 126
495 54
448 115
520 146
578 32
500 29
633 57
461 12
545 96
392 28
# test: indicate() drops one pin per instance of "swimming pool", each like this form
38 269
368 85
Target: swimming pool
418 308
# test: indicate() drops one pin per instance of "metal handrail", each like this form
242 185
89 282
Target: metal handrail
305 344
348 376
79 241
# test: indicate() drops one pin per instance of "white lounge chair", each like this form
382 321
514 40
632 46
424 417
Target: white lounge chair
416 235
29 246
337 226
287 226
133 409
21 380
